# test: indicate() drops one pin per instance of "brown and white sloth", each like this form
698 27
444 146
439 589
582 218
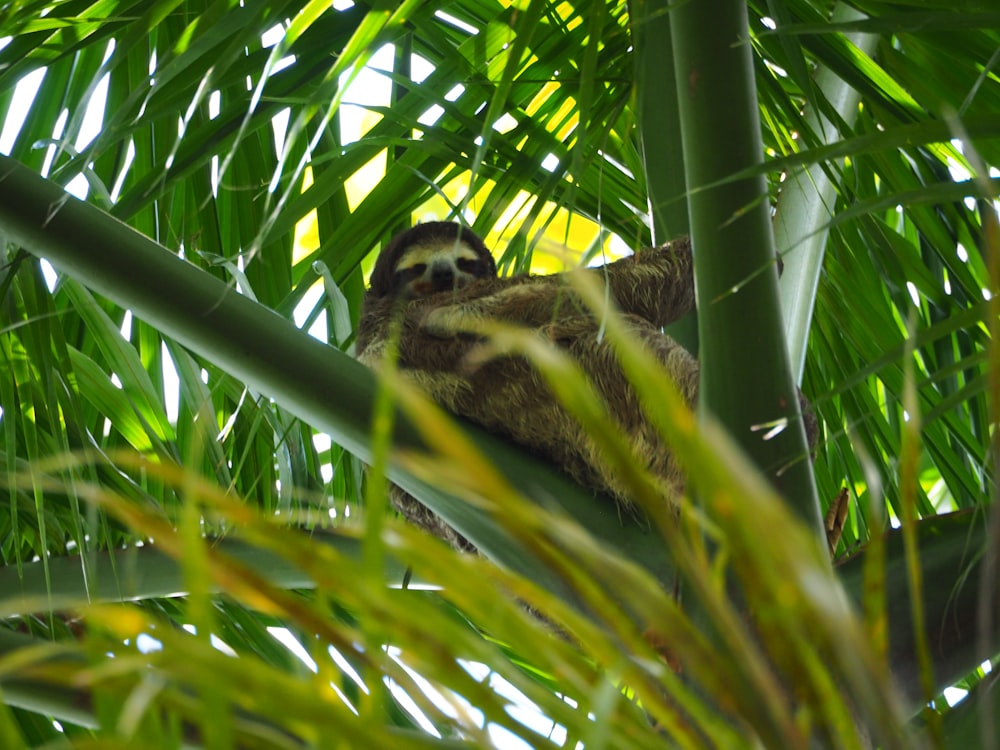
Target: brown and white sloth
436 275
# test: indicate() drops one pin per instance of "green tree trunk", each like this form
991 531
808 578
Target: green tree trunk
746 381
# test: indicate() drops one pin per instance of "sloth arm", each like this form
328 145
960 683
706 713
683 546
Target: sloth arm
655 284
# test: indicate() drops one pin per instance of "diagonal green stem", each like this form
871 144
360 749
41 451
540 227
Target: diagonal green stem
317 383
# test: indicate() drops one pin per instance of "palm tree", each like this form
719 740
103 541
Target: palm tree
189 559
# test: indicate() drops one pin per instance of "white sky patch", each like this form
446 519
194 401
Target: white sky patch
90 126
505 124
146 643
457 23
347 669
954 695
217 643
410 706
214 104
283 63
78 187
550 163
126 328
959 172
318 330
279 125
286 639
49 274
171 397
221 645
273 35
326 474
503 737
617 165
530 716
521 708
289 641
116 189
776 69
431 115
617 248
451 706
24 92
50 150
370 87
93 117
914 294
420 68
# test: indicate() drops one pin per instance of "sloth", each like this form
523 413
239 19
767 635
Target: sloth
435 275
436 280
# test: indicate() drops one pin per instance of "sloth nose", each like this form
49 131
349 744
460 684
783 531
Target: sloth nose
442 276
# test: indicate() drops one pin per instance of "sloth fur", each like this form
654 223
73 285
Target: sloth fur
505 394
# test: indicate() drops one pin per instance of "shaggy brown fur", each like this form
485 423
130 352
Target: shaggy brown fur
505 394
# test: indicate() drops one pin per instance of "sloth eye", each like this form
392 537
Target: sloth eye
406 275
466 264
413 272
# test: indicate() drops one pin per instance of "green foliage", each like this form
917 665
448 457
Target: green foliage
161 424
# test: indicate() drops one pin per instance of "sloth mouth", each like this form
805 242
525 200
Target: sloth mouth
424 288
439 284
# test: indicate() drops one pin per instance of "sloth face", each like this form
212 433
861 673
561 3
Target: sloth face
436 267
429 258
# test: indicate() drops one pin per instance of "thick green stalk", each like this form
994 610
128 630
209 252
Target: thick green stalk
659 123
746 382
660 137
147 572
315 382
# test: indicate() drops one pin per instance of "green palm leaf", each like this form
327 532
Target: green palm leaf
164 424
